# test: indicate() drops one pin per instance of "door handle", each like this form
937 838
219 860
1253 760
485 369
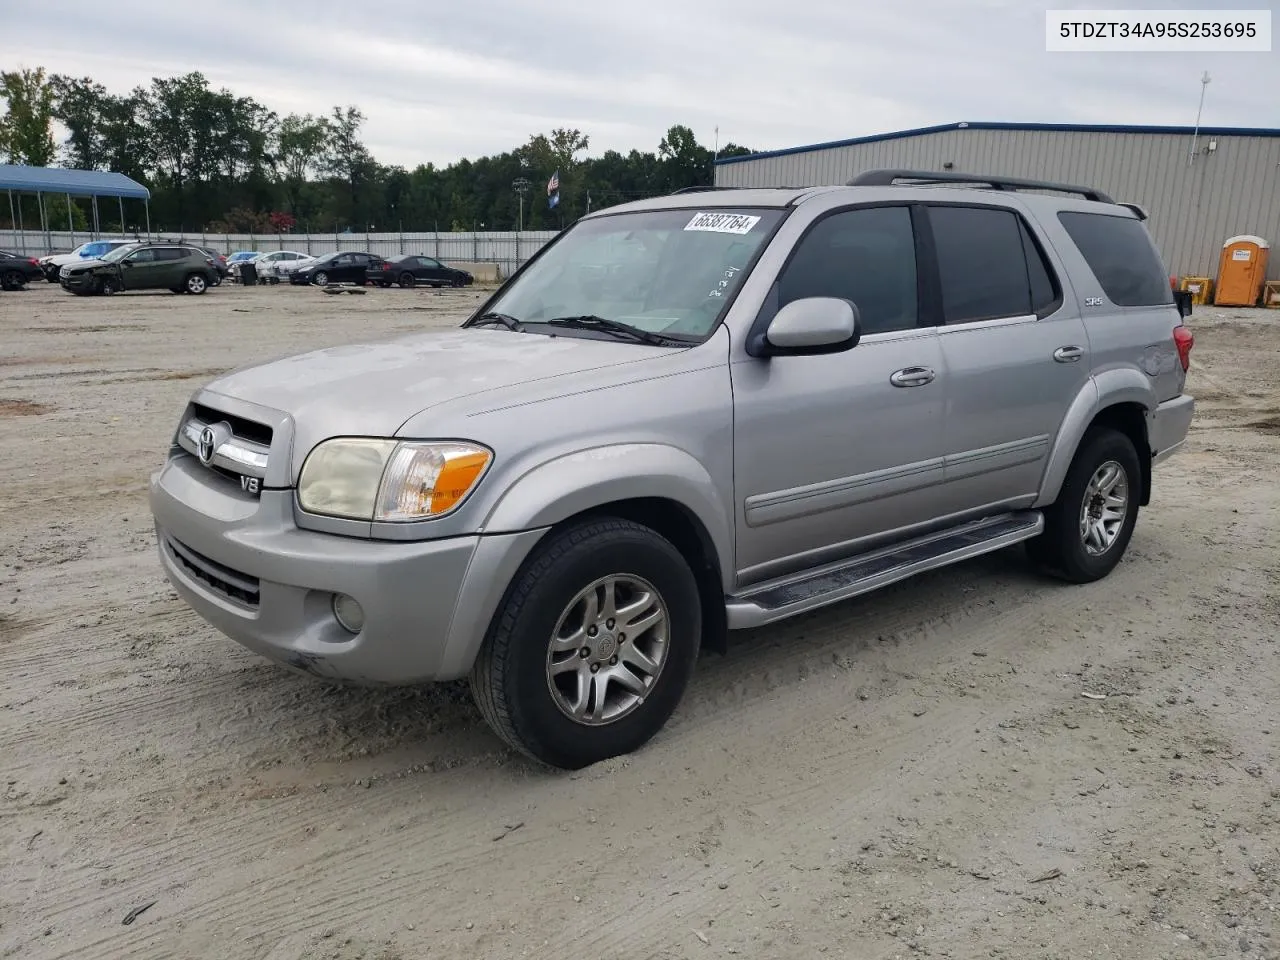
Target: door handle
1068 354
912 377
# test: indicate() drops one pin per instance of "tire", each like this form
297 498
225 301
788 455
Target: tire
196 283
456 282
1068 548
320 279
512 679
107 287
216 281
12 280
407 281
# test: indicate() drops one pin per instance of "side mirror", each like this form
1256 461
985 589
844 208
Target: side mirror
1184 302
813 325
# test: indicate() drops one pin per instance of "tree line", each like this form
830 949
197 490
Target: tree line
221 162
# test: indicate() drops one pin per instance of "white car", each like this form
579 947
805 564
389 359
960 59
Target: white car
278 264
92 250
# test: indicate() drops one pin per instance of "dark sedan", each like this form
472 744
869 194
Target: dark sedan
343 266
409 270
17 269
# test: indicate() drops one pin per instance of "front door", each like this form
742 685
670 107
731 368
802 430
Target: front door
835 453
1015 351
141 270
430 270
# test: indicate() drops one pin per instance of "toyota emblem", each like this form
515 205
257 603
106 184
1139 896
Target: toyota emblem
207 445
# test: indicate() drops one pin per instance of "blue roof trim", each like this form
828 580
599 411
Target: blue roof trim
981 125
79 183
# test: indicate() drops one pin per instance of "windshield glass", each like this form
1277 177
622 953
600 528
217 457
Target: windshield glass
663 271
119 253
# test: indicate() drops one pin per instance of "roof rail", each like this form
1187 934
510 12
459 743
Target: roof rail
889 178
698 189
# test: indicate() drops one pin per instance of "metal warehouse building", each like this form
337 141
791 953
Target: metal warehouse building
1200 188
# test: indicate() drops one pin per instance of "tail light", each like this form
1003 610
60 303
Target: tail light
33 261
386 266
1184 341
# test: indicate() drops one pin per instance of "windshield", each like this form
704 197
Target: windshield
663 271
119 253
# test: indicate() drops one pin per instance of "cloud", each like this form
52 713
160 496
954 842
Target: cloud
439 84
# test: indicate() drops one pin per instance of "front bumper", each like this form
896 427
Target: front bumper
1169 427
245 567
80 281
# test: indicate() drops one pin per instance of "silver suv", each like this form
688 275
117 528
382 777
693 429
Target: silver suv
687 415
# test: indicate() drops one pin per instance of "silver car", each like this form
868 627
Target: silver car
687 415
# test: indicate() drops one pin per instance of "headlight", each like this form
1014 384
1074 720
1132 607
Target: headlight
389 480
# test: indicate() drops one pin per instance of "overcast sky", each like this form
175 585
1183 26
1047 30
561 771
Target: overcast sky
439 81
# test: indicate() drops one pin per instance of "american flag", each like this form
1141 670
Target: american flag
554 183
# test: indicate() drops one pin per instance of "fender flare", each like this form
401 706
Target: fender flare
1105 389
581 481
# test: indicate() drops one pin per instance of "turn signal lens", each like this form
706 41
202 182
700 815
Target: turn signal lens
429 479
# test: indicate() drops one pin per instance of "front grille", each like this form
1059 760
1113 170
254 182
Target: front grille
250 430
232 584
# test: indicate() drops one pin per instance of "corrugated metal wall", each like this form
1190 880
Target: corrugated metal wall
1234 190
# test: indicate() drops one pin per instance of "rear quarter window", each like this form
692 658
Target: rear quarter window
1121 255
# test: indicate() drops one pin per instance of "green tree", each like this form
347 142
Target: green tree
300 143
26 128
348 162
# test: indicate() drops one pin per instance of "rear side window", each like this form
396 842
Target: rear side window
867 256
989 265
1122 257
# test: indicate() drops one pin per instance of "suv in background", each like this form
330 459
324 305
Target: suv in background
92 250
143 266
687 415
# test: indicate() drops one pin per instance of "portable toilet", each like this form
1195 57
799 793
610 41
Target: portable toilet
1242 270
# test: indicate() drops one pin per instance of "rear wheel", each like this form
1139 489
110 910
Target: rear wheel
407 280
1088 528
12 280
593 645
196 284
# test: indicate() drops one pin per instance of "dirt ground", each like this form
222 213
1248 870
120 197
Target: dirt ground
927 771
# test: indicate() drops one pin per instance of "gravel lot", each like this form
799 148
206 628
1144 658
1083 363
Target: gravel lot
926 771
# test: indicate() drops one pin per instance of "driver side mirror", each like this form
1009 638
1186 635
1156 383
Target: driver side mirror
813 325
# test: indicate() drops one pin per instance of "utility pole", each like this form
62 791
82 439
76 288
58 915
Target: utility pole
1204 85
521 186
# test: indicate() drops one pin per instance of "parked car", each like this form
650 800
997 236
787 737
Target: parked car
17 270
219 262
143 266
409 270
269 264
236 259
86 251
342 266
547 499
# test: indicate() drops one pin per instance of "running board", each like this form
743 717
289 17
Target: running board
800 593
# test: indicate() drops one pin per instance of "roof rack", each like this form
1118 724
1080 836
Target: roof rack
698 189
889 178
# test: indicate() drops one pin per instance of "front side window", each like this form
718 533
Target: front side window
866 256
665 272
147 255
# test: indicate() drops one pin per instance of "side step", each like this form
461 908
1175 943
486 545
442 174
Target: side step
800 593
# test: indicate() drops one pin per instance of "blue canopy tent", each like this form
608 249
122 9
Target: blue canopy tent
70 183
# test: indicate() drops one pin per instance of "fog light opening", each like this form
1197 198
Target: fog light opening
348 613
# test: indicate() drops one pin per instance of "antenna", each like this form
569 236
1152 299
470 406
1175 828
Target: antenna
1204 85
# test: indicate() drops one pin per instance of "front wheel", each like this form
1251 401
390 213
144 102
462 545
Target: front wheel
107 286
196 284
593 645
321 279
1089 527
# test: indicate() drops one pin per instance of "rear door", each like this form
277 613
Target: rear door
1015 351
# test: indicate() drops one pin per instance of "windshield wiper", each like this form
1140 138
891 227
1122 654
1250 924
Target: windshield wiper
508 321
618 328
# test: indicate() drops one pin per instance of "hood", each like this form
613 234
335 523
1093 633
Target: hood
372 389
78 263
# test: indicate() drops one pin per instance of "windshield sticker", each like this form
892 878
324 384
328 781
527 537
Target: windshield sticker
722 223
